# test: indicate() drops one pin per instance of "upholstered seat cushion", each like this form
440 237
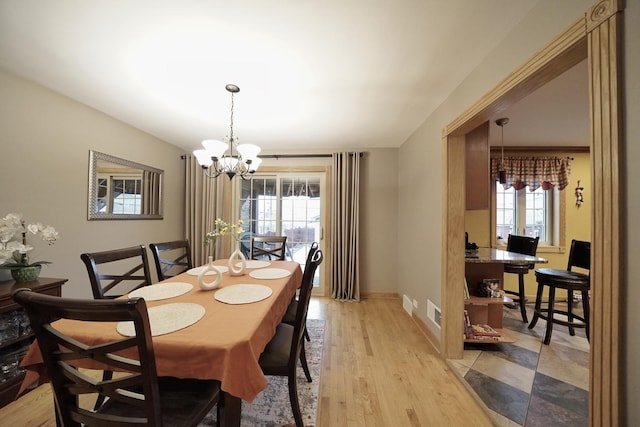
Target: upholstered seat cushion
275 357
562 278
180 401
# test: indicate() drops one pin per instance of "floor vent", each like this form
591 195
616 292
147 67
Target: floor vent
434 313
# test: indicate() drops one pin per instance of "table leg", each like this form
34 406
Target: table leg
229 410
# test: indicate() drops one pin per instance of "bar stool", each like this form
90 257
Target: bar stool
579 256
527 246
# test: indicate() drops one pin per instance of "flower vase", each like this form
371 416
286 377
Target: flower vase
26 274
218 276
237 262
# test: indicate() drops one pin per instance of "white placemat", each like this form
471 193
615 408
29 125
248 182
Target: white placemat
196 270
162 291
166 318
270 273
255 263
243 294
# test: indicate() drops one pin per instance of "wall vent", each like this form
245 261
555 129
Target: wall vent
407 304
434 313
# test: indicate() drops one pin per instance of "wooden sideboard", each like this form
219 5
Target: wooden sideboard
15 333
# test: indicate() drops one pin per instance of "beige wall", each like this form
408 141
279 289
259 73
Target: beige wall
419 200
45 140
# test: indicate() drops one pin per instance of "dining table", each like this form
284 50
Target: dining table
225 341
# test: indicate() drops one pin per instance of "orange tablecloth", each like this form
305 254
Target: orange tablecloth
224 345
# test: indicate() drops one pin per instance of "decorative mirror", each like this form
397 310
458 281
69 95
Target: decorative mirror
121 189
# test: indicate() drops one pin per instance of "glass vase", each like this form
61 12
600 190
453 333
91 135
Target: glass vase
26 274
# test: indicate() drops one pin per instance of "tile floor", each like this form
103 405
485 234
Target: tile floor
528 383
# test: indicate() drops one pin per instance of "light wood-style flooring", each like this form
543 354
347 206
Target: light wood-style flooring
377 370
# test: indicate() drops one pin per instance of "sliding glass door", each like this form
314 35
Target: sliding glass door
284 204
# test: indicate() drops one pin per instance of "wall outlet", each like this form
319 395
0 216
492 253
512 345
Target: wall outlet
415 303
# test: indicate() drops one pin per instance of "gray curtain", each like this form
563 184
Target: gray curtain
203 204
345 206
150 193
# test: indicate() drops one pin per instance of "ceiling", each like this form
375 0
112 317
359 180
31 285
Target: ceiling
312 74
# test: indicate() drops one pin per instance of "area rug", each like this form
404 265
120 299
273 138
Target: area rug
271 407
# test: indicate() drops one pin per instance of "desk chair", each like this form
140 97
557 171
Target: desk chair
268 247
579 256
117 272
527 246
137 397
280 356
171 258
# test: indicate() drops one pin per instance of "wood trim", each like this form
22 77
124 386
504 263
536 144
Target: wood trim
565 51
602 45
428 334
451 344
604 41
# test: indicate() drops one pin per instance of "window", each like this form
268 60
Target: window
536 213
284 203
119 194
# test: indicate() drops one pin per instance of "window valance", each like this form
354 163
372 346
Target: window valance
535 172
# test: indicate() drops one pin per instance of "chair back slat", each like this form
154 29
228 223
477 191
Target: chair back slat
171 258
579 255
117 272
268 247
306 287
137 389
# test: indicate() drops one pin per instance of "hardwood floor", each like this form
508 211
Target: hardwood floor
377 370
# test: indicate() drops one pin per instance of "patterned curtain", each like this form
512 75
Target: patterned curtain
545 172
345 205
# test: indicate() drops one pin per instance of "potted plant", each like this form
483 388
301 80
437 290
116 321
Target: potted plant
14 250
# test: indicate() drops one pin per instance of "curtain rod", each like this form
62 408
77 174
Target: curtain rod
290 156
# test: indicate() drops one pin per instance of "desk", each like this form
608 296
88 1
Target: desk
224 345
488 263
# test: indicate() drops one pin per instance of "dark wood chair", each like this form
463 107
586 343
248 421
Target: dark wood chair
117 272
268 247
579 256
290 314
527 246
280 356
171 258
137 397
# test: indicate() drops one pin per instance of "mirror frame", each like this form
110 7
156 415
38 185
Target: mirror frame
94 157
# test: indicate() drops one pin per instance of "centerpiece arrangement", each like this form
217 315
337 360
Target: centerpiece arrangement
14 250
237 261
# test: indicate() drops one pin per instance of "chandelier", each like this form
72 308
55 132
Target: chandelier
214 159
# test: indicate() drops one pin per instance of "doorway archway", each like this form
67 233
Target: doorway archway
596 36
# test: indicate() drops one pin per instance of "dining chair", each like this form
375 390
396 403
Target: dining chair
117 272
572 281
290 314
527 246
171 258
137 396
268 247
280 356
